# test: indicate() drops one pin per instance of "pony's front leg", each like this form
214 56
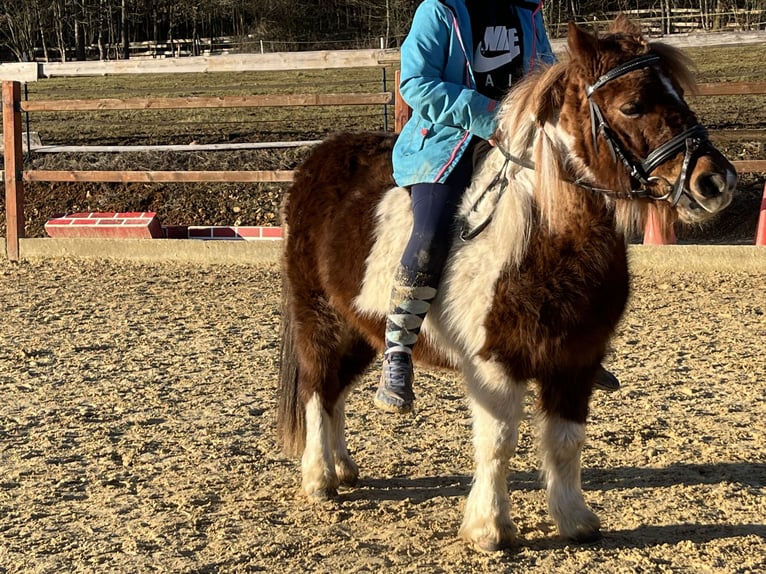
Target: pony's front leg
320 480
497 406
561 445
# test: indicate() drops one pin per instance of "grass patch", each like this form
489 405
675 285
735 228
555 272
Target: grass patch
207 125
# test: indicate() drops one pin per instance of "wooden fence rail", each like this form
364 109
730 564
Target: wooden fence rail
90 176
269 100
732 89
15 176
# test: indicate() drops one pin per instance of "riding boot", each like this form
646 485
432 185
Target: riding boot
410 301
606 381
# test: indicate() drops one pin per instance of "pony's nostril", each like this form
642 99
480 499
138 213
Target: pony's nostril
712 185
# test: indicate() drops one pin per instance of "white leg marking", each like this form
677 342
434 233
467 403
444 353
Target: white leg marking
497 405
561 445
317 465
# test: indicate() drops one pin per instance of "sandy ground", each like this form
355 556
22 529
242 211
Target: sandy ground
137 435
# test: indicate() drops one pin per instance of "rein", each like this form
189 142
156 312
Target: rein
499 181
693 142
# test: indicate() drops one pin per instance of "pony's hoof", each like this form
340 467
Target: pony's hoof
347 472
582 526
490 546
323 495
489 540
348 480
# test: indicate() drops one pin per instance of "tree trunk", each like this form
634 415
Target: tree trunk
58 19
388 21
155 31
41 26
125 35
717 20
101 54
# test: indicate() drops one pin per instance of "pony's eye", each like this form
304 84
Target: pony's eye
632 109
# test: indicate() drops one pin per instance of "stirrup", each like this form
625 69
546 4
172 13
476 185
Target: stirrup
606 381
394 394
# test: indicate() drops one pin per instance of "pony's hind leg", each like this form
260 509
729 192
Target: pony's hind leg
497 405
345 468
320 480
326 462
356 357
561 442
316 341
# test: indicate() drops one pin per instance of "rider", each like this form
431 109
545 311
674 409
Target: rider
458 60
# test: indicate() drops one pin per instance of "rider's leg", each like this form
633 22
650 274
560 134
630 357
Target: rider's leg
434 206
415 285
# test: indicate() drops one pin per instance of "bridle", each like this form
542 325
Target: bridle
693 142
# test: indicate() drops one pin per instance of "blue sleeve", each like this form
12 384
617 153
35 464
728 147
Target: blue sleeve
542 42
431 84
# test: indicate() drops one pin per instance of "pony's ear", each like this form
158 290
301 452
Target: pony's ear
582 45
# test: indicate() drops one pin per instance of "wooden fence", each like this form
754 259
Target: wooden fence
13 107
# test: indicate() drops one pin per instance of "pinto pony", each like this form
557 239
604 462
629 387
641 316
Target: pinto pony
537 278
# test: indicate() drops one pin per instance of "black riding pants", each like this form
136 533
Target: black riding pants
434 206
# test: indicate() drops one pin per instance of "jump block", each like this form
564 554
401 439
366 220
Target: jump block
222 232
113 225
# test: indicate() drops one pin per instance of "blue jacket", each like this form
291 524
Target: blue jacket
437 83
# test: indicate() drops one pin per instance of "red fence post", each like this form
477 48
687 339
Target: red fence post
14 184
760 234
653 234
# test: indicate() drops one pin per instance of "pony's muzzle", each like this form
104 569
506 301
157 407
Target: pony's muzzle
711 189
713 184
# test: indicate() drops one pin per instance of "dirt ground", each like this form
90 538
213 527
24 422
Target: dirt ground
137 435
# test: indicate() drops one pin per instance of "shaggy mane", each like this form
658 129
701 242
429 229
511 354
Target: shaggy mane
528 115
529 197
529 108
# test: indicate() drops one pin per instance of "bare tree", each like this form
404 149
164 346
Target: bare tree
124 30
18 23
106 28
42 26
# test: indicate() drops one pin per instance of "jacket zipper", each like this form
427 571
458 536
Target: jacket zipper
471 84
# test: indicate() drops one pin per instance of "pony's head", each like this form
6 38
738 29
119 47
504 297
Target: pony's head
616 117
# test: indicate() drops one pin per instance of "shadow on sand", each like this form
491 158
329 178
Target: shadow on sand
419 490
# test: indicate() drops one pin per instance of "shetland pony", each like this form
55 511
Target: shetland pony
537 278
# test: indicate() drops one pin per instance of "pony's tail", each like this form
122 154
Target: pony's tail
291 414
